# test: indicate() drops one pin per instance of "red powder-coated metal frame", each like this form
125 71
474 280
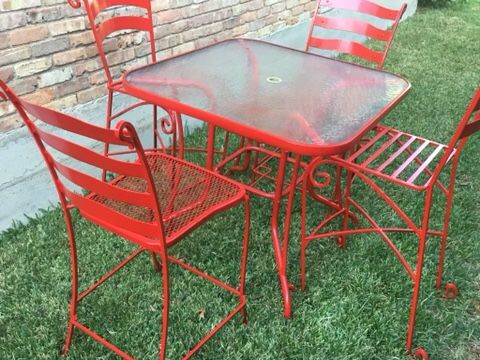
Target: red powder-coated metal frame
359 165
154 234
361 27
170 125
284 187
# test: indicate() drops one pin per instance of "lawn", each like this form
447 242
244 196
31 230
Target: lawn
356 303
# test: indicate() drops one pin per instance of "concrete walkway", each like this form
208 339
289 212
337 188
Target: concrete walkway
25 184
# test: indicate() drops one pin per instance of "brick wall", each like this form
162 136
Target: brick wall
47 53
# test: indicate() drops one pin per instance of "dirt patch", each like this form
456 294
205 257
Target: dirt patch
475 351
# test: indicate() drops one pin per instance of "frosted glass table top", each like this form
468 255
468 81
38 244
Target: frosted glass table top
280 96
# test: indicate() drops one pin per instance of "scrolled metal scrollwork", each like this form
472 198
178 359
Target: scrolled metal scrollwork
74 3
168 124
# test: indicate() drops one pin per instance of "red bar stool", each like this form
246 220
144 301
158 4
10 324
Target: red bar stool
132 15
414 163
347 22
153 201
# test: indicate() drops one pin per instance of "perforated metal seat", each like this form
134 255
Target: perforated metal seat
185 193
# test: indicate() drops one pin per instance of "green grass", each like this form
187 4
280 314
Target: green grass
356 304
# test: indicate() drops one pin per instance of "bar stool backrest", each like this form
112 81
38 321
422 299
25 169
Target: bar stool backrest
469 124
117 22
59 138
348 21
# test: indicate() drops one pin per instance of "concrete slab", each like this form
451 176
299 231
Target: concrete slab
25 184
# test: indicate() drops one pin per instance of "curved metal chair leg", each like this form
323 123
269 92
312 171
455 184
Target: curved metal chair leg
74 274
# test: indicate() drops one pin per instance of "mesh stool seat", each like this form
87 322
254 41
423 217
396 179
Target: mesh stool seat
185 192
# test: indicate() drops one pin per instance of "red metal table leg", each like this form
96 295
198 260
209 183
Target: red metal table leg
210 146
280 249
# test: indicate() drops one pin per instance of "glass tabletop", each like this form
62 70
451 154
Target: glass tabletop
270 93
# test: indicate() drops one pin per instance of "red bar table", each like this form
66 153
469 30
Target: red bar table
299 102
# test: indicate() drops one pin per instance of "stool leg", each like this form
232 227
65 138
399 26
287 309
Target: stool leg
166 304
450 290
418 272
243 266
108 124
74 280
342 239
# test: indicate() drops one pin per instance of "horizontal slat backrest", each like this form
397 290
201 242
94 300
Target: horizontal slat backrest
469 124
95 7
348 47
363 6
347 23
120 23
56 135
117 22
352 25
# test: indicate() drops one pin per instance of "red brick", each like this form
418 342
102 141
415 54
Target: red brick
32 67
271 19
263 12
50 46
86 66
67 26
120 56
6 107
167 42
41 97
72 86
239 9
45 14
6 73
10 122
4 42
160 5
28 35
183 48
167 16
83 38
91 94
278 7
73 55
55 76
15 55
143 50
63 103
98 78
297 10
179 3
24 86
8 5
240 30
108 46
12 20
255 5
